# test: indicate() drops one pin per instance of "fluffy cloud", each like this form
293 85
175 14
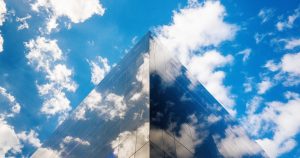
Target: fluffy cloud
129 141
287 70
70 139
108 107
290 63
289 22
91 103
50 153
292 43
30 137
264 85
77 11
196 135
190 134
198 26
245 53
2 19
142 76
270 64
212 78
236 143
2 11
23 22
46 57
283 119
99 69
45 153
8 101
9 140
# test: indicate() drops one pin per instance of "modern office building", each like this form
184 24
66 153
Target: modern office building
148 106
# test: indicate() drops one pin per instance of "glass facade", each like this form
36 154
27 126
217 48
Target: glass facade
113 120
147 106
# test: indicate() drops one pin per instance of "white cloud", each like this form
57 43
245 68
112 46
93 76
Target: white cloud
212 78
292 43
236 143
70 139
30 137
23 22
2 20
129 141
9 140
259 37
3 11
197 26
8 101
290 63
245 53
265 14
264 85
251 122
46 153
46 57
287 70
43 53
108 107
77 11
196 135
142 76
99 69
271 66
289 22
56 102
291 95
273 149
50 153
284 120
253 105
91 103
248 84
115 106
1 43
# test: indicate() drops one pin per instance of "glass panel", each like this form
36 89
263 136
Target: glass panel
155 151
143 152
142 135
181 106
108 117
169 145
182 151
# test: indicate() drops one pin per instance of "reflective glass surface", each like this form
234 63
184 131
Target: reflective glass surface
149 106
113 120
186 120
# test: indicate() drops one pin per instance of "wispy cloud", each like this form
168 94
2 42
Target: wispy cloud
289 22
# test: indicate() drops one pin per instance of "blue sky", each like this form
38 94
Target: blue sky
245 53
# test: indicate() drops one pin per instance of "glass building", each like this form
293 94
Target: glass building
148 106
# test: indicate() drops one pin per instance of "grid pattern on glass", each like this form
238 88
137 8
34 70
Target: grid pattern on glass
110 127
188 114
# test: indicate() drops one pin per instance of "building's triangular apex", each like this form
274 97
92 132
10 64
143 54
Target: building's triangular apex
148 107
